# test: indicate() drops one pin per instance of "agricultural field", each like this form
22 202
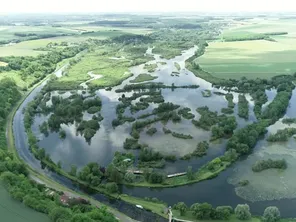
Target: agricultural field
15 211
69 32
253 58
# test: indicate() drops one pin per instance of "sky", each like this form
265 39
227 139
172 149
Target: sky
84 6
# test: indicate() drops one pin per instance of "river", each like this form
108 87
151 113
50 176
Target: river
218 191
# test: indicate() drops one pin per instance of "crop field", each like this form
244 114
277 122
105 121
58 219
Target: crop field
11 210
8 32
30 47
253 58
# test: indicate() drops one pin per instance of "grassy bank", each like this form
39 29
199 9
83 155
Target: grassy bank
143 78
200 175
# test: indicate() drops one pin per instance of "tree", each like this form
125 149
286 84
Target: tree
113 174
271 214
156 177
181 206
73 171
190 174
59 214
223 212
242 212
202 211
112 187
81 218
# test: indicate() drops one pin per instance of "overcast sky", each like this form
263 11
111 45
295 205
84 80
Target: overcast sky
59 6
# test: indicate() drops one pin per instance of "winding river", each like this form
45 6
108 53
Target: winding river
218 191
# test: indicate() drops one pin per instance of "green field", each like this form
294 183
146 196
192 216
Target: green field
113 70
30 47
255 58
11 210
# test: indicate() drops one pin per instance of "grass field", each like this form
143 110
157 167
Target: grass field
28 48
15 75
256 58
11 210
113 70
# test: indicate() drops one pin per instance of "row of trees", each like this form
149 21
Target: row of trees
261 165
42 65
205 211
9 95
14 176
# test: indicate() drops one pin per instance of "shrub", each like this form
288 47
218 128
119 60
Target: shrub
242 212
261 165
271 214
112 187
223 212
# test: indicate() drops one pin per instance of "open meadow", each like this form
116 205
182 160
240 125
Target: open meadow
252 58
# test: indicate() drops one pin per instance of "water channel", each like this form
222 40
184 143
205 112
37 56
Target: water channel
267 188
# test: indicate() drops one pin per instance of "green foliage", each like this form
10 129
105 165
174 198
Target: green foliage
201 149
202 211
113 174
229 98
243 183
186 113
260 98
207 119
242 212
182 207
282 135
181 135
9 95
243 107
131 143
243 140
223 212
289 121
44 128
261 165
73 171
112 187
151 131
189 173
214 164
277 108
147 155
62 134
143 78
14 176
156 177
271 214
227 110
59 214
91 174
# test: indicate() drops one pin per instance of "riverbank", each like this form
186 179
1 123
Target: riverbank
37 176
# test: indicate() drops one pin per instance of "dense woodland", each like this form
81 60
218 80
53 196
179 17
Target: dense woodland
14 175
9 95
